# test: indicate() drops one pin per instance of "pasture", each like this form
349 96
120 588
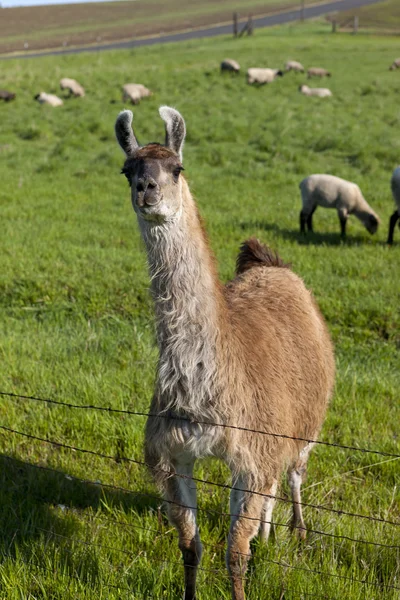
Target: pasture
76 320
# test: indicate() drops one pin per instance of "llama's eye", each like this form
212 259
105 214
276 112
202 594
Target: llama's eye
177 172
127 175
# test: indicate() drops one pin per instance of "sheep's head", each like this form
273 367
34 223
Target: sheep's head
371 223
153 171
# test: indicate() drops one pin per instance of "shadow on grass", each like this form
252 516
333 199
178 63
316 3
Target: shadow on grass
315 238
30 496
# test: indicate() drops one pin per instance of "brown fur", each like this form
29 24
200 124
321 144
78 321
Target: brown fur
254 254
156 151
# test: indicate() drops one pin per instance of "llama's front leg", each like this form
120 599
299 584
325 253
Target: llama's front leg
266 515
182 491
246 510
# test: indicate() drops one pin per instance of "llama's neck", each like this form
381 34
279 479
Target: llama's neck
188 305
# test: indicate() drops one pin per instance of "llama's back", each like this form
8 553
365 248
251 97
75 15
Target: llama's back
281 344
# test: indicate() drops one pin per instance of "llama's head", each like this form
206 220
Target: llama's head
153 171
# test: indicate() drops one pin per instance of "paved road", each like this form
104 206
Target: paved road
268 21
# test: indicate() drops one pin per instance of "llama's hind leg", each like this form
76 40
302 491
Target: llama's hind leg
246 509
266 515
182 509
296 474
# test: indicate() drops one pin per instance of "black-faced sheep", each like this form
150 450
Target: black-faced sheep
395 65
317 72
134 92
293 65
51 99
395 185
320 92
262 76
329 191
230 65
6 95
75 88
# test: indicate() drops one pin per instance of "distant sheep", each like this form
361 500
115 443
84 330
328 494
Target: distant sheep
134 92
333 192
230 65
395 65
51 99
317 72
262 76
395 185
293 65
6 96
75 89
320 92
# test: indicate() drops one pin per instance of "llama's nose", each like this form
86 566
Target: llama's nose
148 192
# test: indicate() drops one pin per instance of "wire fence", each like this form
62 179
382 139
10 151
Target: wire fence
196 422
159 533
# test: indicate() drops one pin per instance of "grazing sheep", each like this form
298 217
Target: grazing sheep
395 184
51 99
320 92
317 72
135 92
262 76
333 192
6 96
75 89
395 65
230 65
293 65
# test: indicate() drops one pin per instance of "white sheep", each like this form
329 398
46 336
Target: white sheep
75 88
135 92
228 64
333 192
262 76
320 92
395 185
51 99
395 65
317 72
293 65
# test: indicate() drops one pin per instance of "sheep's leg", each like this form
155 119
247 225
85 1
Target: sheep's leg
392 224
266 516
343 220
295 476
182 491
303 220
246 509
309 220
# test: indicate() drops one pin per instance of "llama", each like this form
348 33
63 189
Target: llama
255 353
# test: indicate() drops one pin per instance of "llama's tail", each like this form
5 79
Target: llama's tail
254 254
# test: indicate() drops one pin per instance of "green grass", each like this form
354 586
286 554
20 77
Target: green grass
383 16
76 320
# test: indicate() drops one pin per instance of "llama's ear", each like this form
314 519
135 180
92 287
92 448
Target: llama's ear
123 130
175 129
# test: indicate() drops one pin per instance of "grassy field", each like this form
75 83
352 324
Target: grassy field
76 320
382 17
79 24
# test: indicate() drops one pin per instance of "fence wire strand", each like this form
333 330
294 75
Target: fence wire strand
196 422
203 481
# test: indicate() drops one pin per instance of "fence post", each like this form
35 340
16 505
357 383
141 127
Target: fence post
250 27
235 24
355 27
302 10
334 26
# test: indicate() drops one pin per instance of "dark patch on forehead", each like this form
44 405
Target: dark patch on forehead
156 151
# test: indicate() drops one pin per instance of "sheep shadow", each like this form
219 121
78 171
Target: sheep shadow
37 499
308 239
